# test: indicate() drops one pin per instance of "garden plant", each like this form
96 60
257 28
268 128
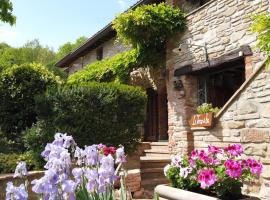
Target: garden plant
73 173
215 172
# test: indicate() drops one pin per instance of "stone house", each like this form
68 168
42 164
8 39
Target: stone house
218 63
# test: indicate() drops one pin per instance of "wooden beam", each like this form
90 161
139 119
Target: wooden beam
236 56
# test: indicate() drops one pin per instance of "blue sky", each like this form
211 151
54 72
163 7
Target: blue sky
55 22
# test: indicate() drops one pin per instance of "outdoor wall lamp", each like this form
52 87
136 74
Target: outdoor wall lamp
178 85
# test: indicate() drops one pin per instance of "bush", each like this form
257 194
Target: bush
8 162
94 113
18 87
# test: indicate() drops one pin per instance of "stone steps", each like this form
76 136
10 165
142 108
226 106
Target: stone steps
152 164
163 153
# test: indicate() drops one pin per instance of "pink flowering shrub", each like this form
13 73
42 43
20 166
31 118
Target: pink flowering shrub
72 173
216 171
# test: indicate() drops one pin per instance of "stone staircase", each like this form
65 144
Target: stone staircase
155 157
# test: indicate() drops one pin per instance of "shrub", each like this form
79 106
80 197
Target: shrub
8 162
93 113
18 87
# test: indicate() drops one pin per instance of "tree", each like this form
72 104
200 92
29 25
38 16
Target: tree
6 8
31 52
68 47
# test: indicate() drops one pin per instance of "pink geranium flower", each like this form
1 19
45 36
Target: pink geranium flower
207 178
233 168
255 166
234 149
213 149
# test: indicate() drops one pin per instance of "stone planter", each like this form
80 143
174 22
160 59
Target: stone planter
170 193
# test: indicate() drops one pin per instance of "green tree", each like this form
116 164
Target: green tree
6 8
68 47
31 52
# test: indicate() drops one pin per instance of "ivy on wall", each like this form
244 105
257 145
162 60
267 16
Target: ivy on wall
114 69
261 26
146 29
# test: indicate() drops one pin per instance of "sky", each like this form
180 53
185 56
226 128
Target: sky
55 22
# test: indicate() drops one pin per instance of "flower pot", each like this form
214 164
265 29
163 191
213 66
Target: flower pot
171 193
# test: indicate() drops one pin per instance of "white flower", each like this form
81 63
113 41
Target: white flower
177 161
166 168
184 172
20 170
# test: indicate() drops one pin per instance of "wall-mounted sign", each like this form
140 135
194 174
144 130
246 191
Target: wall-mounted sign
201 120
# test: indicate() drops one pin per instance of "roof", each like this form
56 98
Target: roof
97 39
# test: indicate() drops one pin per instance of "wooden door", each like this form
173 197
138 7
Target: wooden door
151 123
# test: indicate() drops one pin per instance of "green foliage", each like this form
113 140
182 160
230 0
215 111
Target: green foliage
147 28
31 52
94 113
8 162
18 87
261 26
207 108
68 47
6 8
115 69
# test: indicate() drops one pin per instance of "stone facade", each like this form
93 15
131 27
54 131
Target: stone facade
110 48
224 26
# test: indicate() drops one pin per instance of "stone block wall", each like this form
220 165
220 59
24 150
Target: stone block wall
224 26
110 49
245 120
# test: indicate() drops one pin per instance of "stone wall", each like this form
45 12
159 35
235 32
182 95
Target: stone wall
5 178
110 48
224 26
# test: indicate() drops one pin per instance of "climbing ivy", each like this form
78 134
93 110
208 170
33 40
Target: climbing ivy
114 69
146 29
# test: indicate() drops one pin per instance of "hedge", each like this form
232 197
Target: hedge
18 87
8 162
94 113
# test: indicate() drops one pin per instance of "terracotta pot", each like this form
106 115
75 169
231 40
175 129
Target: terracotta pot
170 193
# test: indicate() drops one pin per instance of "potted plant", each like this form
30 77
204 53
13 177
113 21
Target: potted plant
204 116
217 173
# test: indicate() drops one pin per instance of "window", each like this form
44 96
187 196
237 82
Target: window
217 87
99 53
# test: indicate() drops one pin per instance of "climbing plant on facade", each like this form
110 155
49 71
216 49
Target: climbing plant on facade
146 30
261 26
114 69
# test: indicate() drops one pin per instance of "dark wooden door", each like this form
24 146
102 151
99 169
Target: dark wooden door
151 123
